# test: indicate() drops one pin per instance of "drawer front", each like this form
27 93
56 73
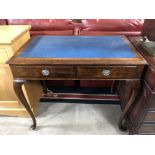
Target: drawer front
149 78
43 72
152 101
150 117
147 129
109 72
136 114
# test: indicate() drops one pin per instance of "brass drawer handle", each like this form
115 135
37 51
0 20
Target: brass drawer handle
45 72
106 72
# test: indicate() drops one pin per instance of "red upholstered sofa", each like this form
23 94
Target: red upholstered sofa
128 27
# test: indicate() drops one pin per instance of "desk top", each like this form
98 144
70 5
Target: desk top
9 33
78 47
66 49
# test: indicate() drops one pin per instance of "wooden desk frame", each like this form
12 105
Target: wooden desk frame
129 69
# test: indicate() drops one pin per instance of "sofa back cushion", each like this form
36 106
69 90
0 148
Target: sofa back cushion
44 24
3 22
112 24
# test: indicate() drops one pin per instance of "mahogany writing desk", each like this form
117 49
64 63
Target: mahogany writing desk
76 58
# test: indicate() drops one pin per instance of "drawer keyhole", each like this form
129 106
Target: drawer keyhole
106 72
45 72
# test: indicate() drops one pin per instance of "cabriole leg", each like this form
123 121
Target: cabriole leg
17 84
136 88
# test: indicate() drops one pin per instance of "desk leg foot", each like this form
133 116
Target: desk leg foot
33 127
17 84
123 126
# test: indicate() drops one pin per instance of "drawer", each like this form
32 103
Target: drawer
150 117
109 72
43 72
142 102
152 101
149 78
147 129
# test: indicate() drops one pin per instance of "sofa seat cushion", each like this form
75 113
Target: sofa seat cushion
112 24
44 24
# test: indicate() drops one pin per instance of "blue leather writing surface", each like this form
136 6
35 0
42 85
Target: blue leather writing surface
77 47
